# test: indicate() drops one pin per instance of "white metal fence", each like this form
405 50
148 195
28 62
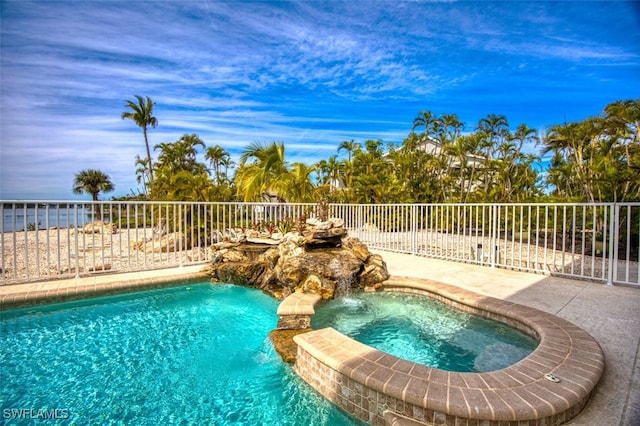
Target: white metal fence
46 240
585 241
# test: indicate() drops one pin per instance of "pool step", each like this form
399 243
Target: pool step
294 317
295 311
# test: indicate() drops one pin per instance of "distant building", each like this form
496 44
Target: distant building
434 147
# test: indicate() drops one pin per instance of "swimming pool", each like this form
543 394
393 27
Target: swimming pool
196 354
423 330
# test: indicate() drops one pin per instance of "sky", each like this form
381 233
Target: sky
310 74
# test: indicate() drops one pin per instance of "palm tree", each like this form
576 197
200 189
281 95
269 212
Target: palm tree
187 186
411 142
92 182
176 158
142 173
334 174
261 166
373 180
425 119
579 143
471 146
494 130
350 147
450 126
226 162
525 134
142 114
181 155
296 185
322 172
496 127
216 155
624 117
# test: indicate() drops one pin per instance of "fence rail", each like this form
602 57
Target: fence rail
51 239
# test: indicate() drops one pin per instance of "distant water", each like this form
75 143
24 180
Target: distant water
19 218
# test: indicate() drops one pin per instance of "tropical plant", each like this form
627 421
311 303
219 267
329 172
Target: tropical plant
92 182
373 177
179 175
496 129
142 173
285 226
183 186
350 146
577 144
218 157
331 173
181 155
296 185
262 166
449 128
427 120
622 121
142 114
597 159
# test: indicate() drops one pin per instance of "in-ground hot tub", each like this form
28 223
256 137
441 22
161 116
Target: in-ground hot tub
548 387
426 331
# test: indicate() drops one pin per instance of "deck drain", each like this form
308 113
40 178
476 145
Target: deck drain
552 378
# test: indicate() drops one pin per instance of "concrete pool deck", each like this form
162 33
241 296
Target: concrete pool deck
611 314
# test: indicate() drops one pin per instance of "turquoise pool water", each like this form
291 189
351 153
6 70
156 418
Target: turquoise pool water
197 354
425 331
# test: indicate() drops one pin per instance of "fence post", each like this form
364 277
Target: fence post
75 239
414 230
494 240
614 235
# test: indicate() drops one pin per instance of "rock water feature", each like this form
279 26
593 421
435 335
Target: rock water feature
319 259
343 288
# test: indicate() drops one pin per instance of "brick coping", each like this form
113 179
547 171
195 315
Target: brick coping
519 392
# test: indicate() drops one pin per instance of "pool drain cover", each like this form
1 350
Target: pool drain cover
552 378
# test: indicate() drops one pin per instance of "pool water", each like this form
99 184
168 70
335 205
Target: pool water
425 331
196 354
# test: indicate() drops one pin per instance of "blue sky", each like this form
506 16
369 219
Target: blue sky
310 74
